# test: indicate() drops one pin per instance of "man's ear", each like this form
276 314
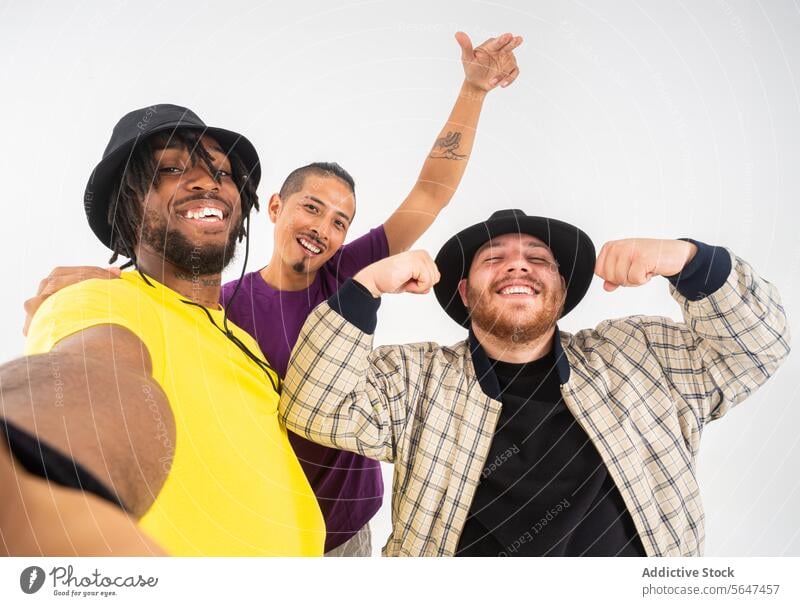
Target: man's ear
275 205
462 290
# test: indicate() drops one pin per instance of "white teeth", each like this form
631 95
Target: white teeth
202 213
517 290
308 246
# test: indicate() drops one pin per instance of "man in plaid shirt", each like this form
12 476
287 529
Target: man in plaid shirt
522 439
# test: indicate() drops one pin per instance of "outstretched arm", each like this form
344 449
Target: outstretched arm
92 398
39 518
486 67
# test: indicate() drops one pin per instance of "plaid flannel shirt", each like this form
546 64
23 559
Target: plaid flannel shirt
641 387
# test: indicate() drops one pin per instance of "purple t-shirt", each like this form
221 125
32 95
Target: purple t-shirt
349 487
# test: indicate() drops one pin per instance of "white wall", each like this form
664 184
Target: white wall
643 118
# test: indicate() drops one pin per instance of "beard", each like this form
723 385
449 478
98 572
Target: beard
518 327
182 253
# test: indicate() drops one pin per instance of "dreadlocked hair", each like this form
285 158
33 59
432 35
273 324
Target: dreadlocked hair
125 213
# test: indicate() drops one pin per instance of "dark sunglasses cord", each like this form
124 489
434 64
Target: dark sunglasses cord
272 375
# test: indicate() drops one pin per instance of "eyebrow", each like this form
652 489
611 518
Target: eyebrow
491 244
321 203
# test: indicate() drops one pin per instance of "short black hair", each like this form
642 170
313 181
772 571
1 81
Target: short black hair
294 182
125 212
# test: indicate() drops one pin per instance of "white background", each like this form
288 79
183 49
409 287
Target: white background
661 119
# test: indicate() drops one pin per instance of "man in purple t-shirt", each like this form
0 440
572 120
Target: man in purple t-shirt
312 214
349 487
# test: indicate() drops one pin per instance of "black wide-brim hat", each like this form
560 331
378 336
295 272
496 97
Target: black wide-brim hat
131 131
572 249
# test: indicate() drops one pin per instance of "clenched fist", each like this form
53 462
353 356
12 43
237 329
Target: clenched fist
412 271
632 262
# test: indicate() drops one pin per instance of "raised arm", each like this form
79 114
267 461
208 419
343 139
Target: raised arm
734 335
486 67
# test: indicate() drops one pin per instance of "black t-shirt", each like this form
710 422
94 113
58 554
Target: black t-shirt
544 491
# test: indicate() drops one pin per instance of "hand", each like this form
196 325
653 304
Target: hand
413 271
62 277
491 63
634 261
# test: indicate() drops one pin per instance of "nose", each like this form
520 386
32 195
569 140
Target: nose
199 178
320 230
518 263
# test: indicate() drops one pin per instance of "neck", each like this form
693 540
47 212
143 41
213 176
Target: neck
515 353
280 276
203 289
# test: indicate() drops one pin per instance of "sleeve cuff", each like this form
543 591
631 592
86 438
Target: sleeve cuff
356 305
705 273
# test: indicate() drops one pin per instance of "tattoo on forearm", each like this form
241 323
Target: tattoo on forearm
445 147
198 279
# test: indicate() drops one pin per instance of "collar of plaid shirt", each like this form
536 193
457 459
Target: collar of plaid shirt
487 377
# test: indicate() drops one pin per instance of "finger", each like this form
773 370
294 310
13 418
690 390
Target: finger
495 44
610 286
509 44
30 306
601 258
466 45
416 289
510 78
619 273
600 264
637 274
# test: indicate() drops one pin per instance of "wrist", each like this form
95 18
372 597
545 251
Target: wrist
365 280
691 251
472 91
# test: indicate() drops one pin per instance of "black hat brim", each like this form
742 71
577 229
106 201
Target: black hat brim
571 247
107 174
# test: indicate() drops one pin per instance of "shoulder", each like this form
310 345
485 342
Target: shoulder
426 353
116 294
245 286
90 303
629 333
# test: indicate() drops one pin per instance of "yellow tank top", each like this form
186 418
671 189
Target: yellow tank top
235 487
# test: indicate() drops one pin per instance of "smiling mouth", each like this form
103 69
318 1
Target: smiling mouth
204 214
308 246
520 290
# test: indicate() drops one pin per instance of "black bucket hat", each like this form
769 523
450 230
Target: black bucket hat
572 249
133 129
